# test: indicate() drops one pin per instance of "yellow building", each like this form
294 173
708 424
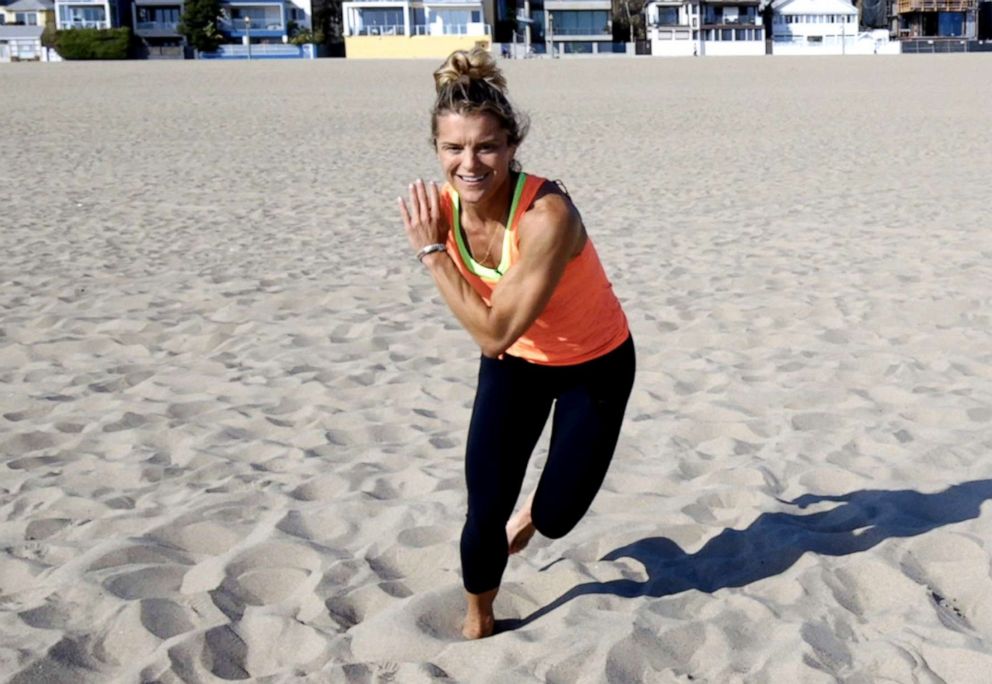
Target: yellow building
29 13
397 29
21 25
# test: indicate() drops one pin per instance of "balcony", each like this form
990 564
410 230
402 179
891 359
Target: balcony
572 31
87 23
423 30
739 20
907 6
259 26
154 29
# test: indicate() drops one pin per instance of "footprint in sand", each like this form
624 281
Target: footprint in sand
267 574
156 581
139 555
324 526
428 535
419 627
206 537
322 488
45 528
138 629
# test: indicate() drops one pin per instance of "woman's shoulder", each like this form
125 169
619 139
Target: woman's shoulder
550 199
551 212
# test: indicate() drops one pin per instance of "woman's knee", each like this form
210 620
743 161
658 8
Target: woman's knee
554 524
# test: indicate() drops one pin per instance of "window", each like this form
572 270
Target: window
727 34
374 20
577 47
668 16
580 23
741 34
950 23
26 18
90 17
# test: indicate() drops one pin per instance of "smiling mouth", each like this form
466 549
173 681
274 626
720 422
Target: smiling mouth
471 180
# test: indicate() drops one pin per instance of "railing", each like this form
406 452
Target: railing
936 6
87 23
385 30
713 20
162 26
477 29
573 31
261 51
423 30
253 24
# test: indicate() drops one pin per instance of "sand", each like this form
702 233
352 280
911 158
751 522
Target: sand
233 408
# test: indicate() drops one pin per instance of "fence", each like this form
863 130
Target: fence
261 51
477 29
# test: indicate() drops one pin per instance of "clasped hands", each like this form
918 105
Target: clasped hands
425 223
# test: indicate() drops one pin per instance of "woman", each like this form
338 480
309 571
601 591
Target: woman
511 257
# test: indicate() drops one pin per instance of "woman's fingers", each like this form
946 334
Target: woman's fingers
435 200
404 213
425 207
414 203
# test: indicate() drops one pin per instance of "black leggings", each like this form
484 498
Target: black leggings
512 404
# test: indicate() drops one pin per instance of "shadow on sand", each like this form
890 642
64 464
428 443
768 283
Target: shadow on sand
774 541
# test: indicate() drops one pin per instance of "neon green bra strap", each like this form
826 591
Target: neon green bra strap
470 263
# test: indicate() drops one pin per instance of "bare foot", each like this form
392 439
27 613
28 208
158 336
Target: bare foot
479 620
478 627
520 528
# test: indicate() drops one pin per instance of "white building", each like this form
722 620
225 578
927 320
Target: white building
815 27
705 27
98 14
21 43
384 29
576 27
672 28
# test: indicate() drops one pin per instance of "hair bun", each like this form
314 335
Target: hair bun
463 67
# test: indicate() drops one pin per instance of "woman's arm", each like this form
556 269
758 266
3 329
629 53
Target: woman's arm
551 234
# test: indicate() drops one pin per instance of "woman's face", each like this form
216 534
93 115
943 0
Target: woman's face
474 154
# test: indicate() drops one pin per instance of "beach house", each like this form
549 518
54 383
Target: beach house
577 27
156 24
672 27
705 27
814 27
28 13
413 28
21 25
262 29
935 25
98 14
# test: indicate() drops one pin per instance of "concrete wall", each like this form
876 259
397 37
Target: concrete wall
865 44
727 48
402 47
674 48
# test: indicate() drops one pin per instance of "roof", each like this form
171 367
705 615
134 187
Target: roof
30 6
8 32
813 7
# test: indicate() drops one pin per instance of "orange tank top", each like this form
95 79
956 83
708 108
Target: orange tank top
582 321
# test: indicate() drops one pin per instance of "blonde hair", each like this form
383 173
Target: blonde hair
469 82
